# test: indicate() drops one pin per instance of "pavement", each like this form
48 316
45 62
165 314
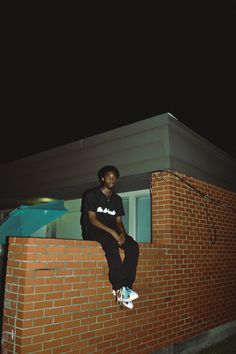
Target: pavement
227 346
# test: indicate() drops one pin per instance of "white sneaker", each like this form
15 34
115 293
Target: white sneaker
128 304
126 294
132 294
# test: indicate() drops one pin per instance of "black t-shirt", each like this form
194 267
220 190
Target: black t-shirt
106 209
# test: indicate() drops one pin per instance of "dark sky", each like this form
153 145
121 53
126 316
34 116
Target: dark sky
68 74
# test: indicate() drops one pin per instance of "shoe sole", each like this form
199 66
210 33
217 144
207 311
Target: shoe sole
125 303
131 298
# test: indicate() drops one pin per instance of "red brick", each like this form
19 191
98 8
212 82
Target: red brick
180 274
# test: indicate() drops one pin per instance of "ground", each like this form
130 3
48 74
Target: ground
227 346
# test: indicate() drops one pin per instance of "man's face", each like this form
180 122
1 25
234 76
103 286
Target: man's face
109 180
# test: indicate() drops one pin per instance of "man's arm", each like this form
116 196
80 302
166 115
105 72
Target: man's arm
97 223
121 228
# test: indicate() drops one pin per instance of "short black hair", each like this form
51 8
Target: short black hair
102 172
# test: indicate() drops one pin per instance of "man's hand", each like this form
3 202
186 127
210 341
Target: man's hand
120 238
122 235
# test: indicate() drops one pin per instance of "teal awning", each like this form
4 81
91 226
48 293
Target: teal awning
25 219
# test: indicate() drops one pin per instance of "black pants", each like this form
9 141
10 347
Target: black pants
120 273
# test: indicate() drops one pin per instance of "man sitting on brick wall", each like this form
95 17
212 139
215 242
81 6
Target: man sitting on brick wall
101 220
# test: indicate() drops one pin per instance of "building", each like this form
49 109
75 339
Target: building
65 172
179 192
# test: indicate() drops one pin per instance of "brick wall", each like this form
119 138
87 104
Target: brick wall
58 298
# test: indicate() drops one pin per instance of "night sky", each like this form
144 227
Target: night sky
68 74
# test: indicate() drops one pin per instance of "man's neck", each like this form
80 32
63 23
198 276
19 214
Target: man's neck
106 191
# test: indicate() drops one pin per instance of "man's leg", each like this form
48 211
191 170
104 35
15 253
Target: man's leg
116 275
131 250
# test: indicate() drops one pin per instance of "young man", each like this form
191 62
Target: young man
101 221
